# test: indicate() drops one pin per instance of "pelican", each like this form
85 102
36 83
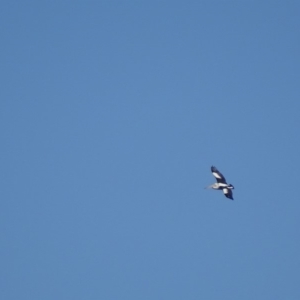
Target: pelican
221 183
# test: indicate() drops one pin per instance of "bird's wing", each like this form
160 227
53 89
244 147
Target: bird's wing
228 193
220 178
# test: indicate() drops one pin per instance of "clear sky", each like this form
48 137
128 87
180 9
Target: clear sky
112 113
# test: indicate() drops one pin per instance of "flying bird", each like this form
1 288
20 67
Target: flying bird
221 183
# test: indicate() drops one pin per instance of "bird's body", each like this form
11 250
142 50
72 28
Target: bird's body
221 183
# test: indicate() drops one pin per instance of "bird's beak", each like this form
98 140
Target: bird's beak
208 187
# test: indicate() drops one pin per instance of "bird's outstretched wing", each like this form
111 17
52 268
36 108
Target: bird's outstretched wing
228 193
220 178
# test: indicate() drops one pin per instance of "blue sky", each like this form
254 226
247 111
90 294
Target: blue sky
112 113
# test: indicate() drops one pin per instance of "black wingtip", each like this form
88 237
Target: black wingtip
228 196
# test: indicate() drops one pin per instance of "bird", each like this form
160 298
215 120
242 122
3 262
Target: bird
221 183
